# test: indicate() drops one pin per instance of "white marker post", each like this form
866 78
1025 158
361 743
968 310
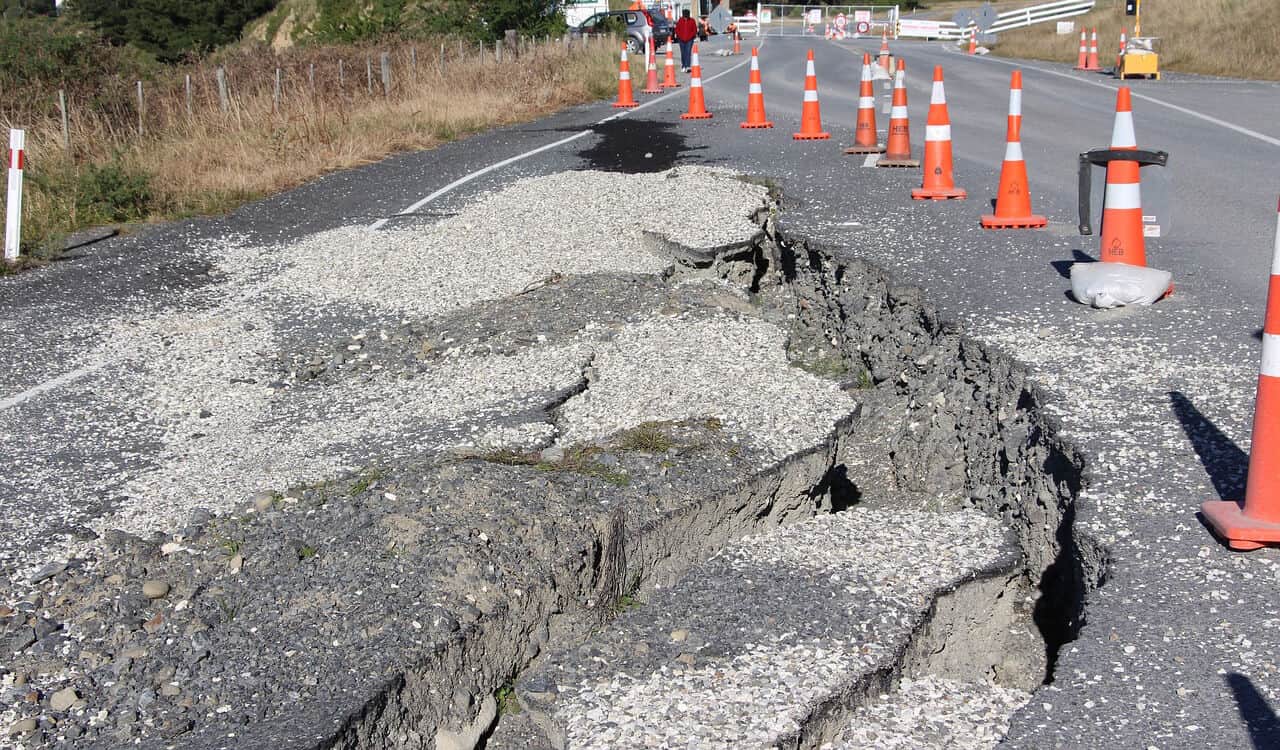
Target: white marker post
13 218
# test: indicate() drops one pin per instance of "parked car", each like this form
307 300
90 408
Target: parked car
629 23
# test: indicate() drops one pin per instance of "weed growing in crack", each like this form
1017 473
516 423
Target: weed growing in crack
231 547
228 609
509 457
505 697
306 552
646 438
365 480
822 366
581 459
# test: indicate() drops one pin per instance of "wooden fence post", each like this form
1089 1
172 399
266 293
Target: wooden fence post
342 78
224 100
188 90
141 108
413 63
440 60
385 62
66 125
368 73
275 94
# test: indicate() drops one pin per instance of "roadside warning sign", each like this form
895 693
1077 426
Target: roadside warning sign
863 27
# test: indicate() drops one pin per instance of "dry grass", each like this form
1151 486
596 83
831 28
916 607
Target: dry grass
209 161
1238 38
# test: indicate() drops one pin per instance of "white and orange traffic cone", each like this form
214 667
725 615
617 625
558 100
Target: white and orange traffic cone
669 72
883 62
755 96
865 139
737 43
1121 236
1092 61
626 97
810 112
897 151
651 70
973 42
1256 522
1120 54
1013 201
939 182
1083 59
697 103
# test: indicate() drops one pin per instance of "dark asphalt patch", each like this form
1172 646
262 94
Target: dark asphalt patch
634 146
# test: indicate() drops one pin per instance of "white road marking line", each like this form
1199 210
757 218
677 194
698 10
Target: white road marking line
871 160
380 223
1191 112
48 385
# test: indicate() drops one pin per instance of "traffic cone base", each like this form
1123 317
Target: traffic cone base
991 221
696 116
1227 519
938 194
876 149
811 136
756 125
895 162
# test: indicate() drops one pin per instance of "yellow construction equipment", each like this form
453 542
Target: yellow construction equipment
1140 59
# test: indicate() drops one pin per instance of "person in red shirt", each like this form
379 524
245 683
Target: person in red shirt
686 32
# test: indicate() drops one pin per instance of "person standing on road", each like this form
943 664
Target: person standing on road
686 32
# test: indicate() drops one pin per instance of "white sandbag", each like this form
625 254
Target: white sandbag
1115 284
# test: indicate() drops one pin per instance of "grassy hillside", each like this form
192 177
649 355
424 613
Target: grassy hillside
1239 38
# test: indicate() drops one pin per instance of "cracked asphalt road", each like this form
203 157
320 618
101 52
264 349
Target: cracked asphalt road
1179 648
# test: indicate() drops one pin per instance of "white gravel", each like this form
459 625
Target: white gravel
566 223
897 559
188 436
673 368
933 713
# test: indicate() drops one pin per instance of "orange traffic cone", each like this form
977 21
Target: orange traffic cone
1257 522
1120 54
626 98
973 42
1121 236
810 112
883 62
939 184
697 104
1092 62
651 70
737 43
1013 201
897 152
669 72
865 140
755 97
1083 60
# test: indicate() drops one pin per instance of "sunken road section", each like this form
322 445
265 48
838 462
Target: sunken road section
716 399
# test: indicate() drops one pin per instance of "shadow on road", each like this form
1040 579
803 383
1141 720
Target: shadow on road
1063 267
1222 459
1259 718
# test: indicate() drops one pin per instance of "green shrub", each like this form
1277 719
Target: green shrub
112 192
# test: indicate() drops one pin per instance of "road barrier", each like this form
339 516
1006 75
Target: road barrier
1012 19
13 216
